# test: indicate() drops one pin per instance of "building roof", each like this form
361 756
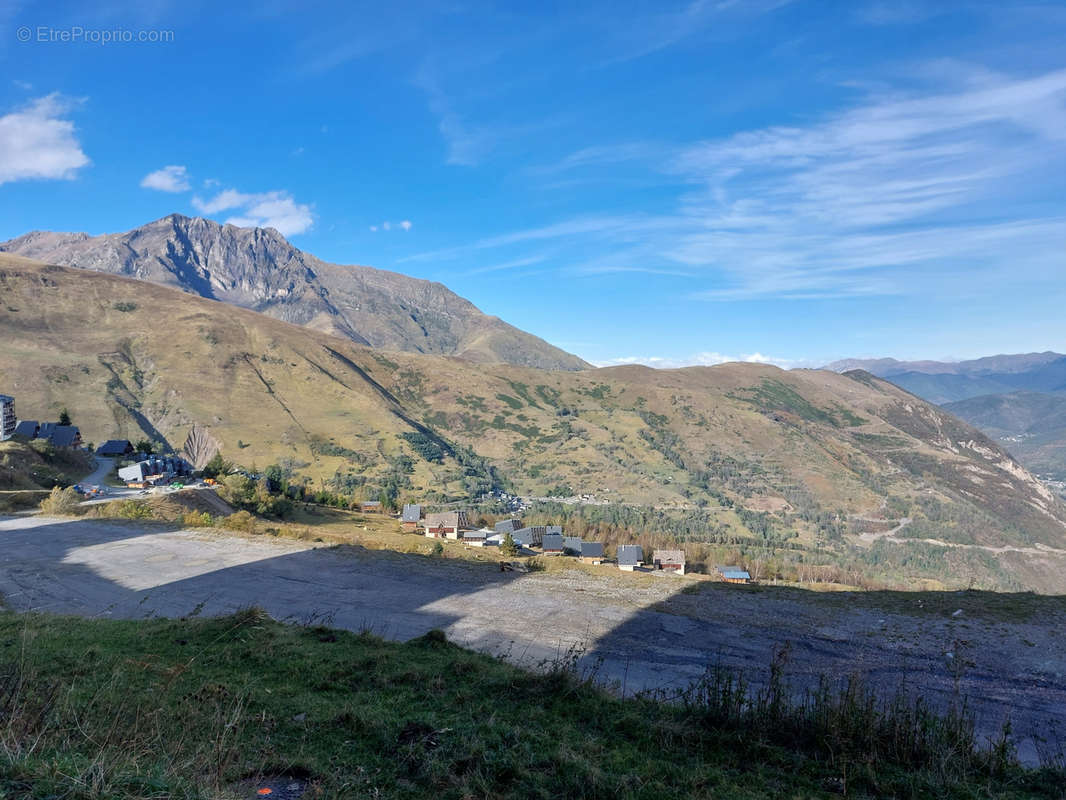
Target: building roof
27 427
115 447
475 534
592 549
449 519
6 398
630 554
552 541
412 512
64 435
507 525
572 543
526 536
734 573
372 503
669 556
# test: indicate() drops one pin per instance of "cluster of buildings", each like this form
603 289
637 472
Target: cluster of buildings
52 432
153 470
548 539
11 426
631 559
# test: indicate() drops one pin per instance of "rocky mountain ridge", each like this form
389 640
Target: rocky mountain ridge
257 268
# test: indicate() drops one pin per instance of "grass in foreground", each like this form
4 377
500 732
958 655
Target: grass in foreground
189 708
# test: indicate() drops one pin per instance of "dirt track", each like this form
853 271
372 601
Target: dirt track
639 633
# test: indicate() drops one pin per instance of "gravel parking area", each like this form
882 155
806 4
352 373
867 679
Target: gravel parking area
635 631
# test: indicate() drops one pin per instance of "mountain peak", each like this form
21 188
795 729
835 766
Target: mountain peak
258 268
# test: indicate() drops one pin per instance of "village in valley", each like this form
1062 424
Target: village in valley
140 471
515 538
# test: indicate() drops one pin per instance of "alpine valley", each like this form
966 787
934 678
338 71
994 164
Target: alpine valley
366 382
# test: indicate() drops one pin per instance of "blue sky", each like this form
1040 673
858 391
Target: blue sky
667 182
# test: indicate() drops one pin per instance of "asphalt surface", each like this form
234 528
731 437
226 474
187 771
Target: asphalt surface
635 634
103 468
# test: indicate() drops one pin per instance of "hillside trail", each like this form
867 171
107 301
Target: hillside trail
871 536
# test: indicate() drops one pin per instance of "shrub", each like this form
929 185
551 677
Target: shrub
217 466
43 447
125 306
430 449
61 501
132 509
241 521
437 550
192 519
123 509
509 547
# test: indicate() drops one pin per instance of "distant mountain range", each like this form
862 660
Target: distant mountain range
1019 400
948 381
258 268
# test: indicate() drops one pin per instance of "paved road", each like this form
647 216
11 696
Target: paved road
639 632
103 468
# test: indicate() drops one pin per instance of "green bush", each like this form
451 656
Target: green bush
509 547
43 447
193 519
241 521
124 509
61 501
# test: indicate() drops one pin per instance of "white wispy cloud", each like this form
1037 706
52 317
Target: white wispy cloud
931 187
173 178
704 359
502 266
467 143
871 199
37 142
896 12
631 35
404 225
276 209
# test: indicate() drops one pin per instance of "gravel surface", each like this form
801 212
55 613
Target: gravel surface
637 632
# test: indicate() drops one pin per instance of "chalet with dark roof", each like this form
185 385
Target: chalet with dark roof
410 517
115 448
592 552
630 557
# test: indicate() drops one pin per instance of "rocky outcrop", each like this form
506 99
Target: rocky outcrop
258 268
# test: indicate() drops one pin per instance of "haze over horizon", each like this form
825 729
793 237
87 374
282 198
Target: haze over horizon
768 181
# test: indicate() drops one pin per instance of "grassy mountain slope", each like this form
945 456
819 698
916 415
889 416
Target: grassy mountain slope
755 452
1018 400
258 268
1032 425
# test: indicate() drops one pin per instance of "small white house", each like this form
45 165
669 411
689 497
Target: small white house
630 557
